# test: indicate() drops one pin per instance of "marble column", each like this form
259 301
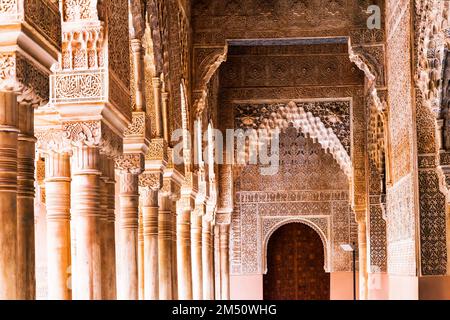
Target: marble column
165 115
8 194
87 274
128 285
184 251
196 249
141 253
224 238
107 235
57 186
362 254
217 273
110 292
138 64
207 260
150 235
157 104
165 247
174 248
26 285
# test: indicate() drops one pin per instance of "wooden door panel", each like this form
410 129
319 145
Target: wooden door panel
295 261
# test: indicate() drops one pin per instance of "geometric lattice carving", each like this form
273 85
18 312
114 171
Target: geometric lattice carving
334 118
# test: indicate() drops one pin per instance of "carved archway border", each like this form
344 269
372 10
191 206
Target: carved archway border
315 129
208 61
265 237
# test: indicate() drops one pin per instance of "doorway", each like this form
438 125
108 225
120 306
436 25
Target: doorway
295 263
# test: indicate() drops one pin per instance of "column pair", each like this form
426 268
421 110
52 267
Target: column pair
17 150
87 187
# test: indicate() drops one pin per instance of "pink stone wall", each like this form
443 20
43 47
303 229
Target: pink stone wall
248 287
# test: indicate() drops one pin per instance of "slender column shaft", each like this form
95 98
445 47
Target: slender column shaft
217 273
224 239
362 251
184 254
150 235
157 104
197 267
138 63
26 285
174 249
207 260
141 252
128 286
103 226
87 214
165 247
8 195
165 115
57 185
110 237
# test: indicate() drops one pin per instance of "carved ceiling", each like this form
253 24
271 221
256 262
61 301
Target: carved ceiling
216 21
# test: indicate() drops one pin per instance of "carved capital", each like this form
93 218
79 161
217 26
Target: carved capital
52 140
190 182
93 134
170 188
223 218
151 180
131 163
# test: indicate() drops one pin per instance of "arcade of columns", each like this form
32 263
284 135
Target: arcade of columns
66 80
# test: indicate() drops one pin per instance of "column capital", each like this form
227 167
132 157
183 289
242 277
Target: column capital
136 45
151 180
186 202
93 134
190 183
130 163
52 140
222 218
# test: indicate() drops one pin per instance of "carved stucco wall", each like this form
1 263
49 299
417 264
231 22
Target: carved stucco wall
401 209
309 188
431 99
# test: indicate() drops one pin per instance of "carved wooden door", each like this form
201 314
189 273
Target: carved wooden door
295 261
